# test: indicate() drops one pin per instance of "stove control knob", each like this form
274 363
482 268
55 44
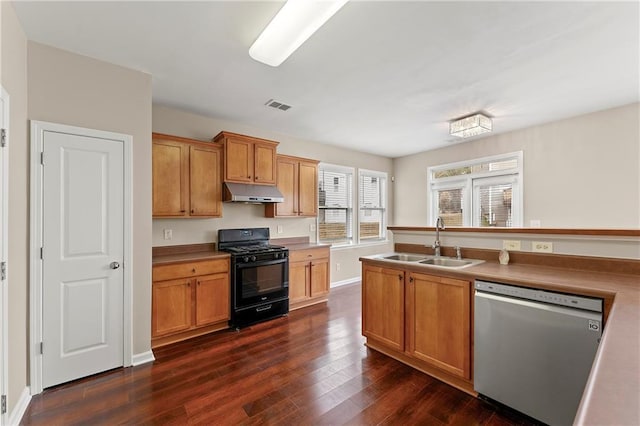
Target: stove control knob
276 255
253 258
284 254
245 259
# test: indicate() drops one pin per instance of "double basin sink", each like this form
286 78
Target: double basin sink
423 259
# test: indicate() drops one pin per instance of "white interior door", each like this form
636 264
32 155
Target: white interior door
4 242
83 247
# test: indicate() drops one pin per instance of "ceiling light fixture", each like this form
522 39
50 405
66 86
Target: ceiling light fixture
292 26
471 125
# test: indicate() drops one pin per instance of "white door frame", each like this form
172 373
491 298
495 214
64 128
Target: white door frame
4 292
35 281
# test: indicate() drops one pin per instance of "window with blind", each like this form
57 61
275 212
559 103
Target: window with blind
372 196
335 199
480 193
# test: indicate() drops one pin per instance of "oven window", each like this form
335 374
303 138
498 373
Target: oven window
260 280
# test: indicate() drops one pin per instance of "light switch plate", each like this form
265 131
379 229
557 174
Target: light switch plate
279 230
168 234
511 244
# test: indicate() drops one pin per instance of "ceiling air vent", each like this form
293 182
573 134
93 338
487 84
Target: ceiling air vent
277 105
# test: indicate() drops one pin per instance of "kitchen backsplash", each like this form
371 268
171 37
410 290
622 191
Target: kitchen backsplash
235 215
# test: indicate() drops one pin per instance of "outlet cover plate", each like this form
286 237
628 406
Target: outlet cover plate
541 247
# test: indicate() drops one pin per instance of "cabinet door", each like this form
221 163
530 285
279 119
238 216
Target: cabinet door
319 277
383 305
206 194
170 172
171 310
265 163
298 281
212 299
238 161
439 322
287 182
308 189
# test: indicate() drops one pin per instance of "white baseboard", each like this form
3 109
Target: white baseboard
20 408
142 358
345 282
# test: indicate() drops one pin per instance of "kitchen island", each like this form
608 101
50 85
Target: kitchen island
612 393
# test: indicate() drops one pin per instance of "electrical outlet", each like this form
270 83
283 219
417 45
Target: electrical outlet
511 244
541 247
337 267
279 229
312 227
168 234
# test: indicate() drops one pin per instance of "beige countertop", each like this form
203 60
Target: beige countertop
188 257
612 393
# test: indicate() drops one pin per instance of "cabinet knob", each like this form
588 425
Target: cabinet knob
400 277
193 270
183 211
188 284
410 279
193 211
198 282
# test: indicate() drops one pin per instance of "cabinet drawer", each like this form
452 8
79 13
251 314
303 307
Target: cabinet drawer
189 269
308 254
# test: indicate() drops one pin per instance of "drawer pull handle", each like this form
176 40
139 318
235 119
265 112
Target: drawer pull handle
193 270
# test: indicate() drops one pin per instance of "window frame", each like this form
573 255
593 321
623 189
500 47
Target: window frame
356 173
350 204
384 209
468 182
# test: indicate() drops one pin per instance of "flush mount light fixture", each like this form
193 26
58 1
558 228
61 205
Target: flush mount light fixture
471 125
292 26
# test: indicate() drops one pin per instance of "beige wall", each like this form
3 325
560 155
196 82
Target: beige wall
582 172
181 123
14 81
76 90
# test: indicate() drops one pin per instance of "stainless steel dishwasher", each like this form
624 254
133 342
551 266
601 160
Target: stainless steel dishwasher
533 349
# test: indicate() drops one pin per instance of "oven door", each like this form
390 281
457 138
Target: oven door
260 282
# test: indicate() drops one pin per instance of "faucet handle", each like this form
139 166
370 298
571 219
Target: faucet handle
458 253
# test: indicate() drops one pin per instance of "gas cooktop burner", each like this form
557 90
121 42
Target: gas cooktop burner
258 248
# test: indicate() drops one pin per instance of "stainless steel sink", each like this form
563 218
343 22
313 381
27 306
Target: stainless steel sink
449 263
405 257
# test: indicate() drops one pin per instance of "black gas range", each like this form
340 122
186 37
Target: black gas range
259 275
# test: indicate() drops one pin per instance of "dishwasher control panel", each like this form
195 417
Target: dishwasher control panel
571 300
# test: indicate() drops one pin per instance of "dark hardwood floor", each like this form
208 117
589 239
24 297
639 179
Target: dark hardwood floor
308 368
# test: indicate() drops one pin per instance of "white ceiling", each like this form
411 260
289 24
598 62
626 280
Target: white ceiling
379 77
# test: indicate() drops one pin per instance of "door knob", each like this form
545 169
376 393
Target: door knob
114 265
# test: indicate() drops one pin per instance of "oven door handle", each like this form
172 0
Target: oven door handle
261 263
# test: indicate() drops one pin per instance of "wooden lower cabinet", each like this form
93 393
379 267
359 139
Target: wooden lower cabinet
189 299
383 305
420 319
308 276
439 323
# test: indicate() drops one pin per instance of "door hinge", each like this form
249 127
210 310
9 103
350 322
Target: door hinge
3 137
41 348
3 271
41 253
3 409
42 158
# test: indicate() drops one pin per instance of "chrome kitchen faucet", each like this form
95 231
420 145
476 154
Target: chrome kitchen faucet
436 244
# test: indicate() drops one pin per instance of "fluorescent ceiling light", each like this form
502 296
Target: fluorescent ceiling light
470 126
292 26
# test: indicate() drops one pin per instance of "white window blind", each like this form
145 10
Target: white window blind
372 196
335 198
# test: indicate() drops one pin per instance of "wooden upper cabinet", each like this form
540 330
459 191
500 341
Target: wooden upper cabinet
170 166
439 323
204 176
297 180
186 177
248 159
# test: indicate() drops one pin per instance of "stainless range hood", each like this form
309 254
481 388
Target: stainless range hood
246 193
